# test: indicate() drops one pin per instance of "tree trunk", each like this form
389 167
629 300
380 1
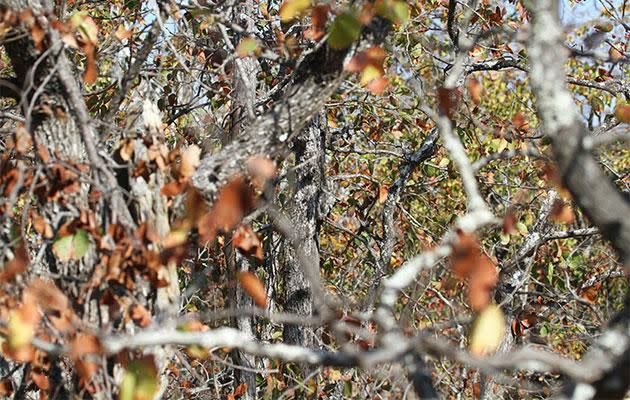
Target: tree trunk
303 210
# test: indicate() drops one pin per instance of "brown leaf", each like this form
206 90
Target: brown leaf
590 293
123 33
377 86
240 390
561 212
475 90
40 380
520 121
448 100
319 16
465 254
622 112
383 191
40 225
91 70
126 149
481 283
16 266
235 200
38 35
140 315
247 241
468 261
509 222
173 188
48 296
23 139
253 287
86 370
84 344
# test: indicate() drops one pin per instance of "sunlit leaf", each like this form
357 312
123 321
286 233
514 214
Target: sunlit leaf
622 112
291 9
140 381
253 287
488 331
344 30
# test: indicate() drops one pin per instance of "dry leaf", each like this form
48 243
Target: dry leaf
448 100
383 191
561 212
319 16
140 315
481 283
590 293
235 200
509 223
475 90
253 287
247 241
84 344
520 121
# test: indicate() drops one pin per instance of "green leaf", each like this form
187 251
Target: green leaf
72 247
81 243
140 381
395 11
505 238
344 30
63 248
521 228
544 331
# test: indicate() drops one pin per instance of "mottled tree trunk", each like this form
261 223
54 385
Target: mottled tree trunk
303 210
243 102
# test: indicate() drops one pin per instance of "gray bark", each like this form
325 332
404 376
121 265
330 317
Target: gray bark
302 210
243 101
606 206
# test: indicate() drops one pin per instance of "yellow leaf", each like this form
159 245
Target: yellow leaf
488 331
291 9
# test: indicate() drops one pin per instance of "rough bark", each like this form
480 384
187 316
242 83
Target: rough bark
303 210
598 197
243 101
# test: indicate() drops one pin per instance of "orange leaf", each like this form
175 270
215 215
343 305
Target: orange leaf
260 170
84 344
590 293
235 200
481 283
253 287
319 16
16 266
247 241
561 212
622 113
140 315
173 188
475 90
509 222
520 121
91 70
